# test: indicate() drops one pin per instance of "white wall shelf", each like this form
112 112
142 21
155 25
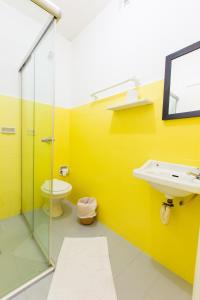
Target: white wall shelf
127 105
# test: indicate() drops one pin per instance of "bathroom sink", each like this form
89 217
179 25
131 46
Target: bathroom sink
174 180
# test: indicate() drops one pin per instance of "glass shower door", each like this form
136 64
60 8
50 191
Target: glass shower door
43 153
27 147
37 139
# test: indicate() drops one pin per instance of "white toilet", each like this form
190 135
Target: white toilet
60 191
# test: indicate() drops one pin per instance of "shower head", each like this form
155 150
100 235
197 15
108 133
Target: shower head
49 7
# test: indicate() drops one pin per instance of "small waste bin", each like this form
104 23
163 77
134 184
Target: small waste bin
86 210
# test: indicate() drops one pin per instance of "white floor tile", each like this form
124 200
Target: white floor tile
137 276
40 290
170 286
21 296
122 253
136 279
148 297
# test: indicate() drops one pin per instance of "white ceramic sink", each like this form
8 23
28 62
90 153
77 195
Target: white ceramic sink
173 180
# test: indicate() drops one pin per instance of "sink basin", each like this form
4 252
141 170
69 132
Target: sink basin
174 180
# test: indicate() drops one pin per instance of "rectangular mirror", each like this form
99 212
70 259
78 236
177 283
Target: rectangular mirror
182 84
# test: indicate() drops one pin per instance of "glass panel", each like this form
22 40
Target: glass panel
37 124
28 107
44 100
37 137
21 258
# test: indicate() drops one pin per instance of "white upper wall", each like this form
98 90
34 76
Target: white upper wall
63 78
122 42
17 33
118 44
20 25
77 14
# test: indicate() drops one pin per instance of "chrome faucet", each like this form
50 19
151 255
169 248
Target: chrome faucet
196 175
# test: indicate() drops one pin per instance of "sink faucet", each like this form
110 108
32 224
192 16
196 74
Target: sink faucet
196 173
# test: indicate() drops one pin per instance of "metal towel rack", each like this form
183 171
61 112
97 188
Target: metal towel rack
133 79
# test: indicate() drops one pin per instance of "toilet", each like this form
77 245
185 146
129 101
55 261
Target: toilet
60 191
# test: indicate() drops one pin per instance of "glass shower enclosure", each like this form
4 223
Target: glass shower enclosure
37 107
25 238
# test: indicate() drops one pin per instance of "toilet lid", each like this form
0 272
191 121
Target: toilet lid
58 186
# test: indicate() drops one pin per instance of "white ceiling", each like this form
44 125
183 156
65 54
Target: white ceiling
28 9
77 14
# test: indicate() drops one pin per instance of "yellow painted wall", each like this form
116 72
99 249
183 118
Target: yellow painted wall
40 118
27 155
106 146
61 146
42 165
9 158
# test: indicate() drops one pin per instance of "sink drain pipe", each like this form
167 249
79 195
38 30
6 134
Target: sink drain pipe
166 207
165 211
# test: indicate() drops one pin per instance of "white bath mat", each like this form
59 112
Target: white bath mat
83 271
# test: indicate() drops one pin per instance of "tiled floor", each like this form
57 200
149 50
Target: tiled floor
136 276
20 257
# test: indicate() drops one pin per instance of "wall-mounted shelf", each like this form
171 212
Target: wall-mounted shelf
127 105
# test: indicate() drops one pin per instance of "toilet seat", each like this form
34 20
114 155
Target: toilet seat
59 187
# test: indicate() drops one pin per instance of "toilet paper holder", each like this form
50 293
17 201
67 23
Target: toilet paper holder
64 171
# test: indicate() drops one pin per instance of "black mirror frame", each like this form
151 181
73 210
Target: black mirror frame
168 68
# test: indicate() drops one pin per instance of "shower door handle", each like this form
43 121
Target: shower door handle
48 140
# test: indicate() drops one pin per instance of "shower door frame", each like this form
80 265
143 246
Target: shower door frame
51 268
